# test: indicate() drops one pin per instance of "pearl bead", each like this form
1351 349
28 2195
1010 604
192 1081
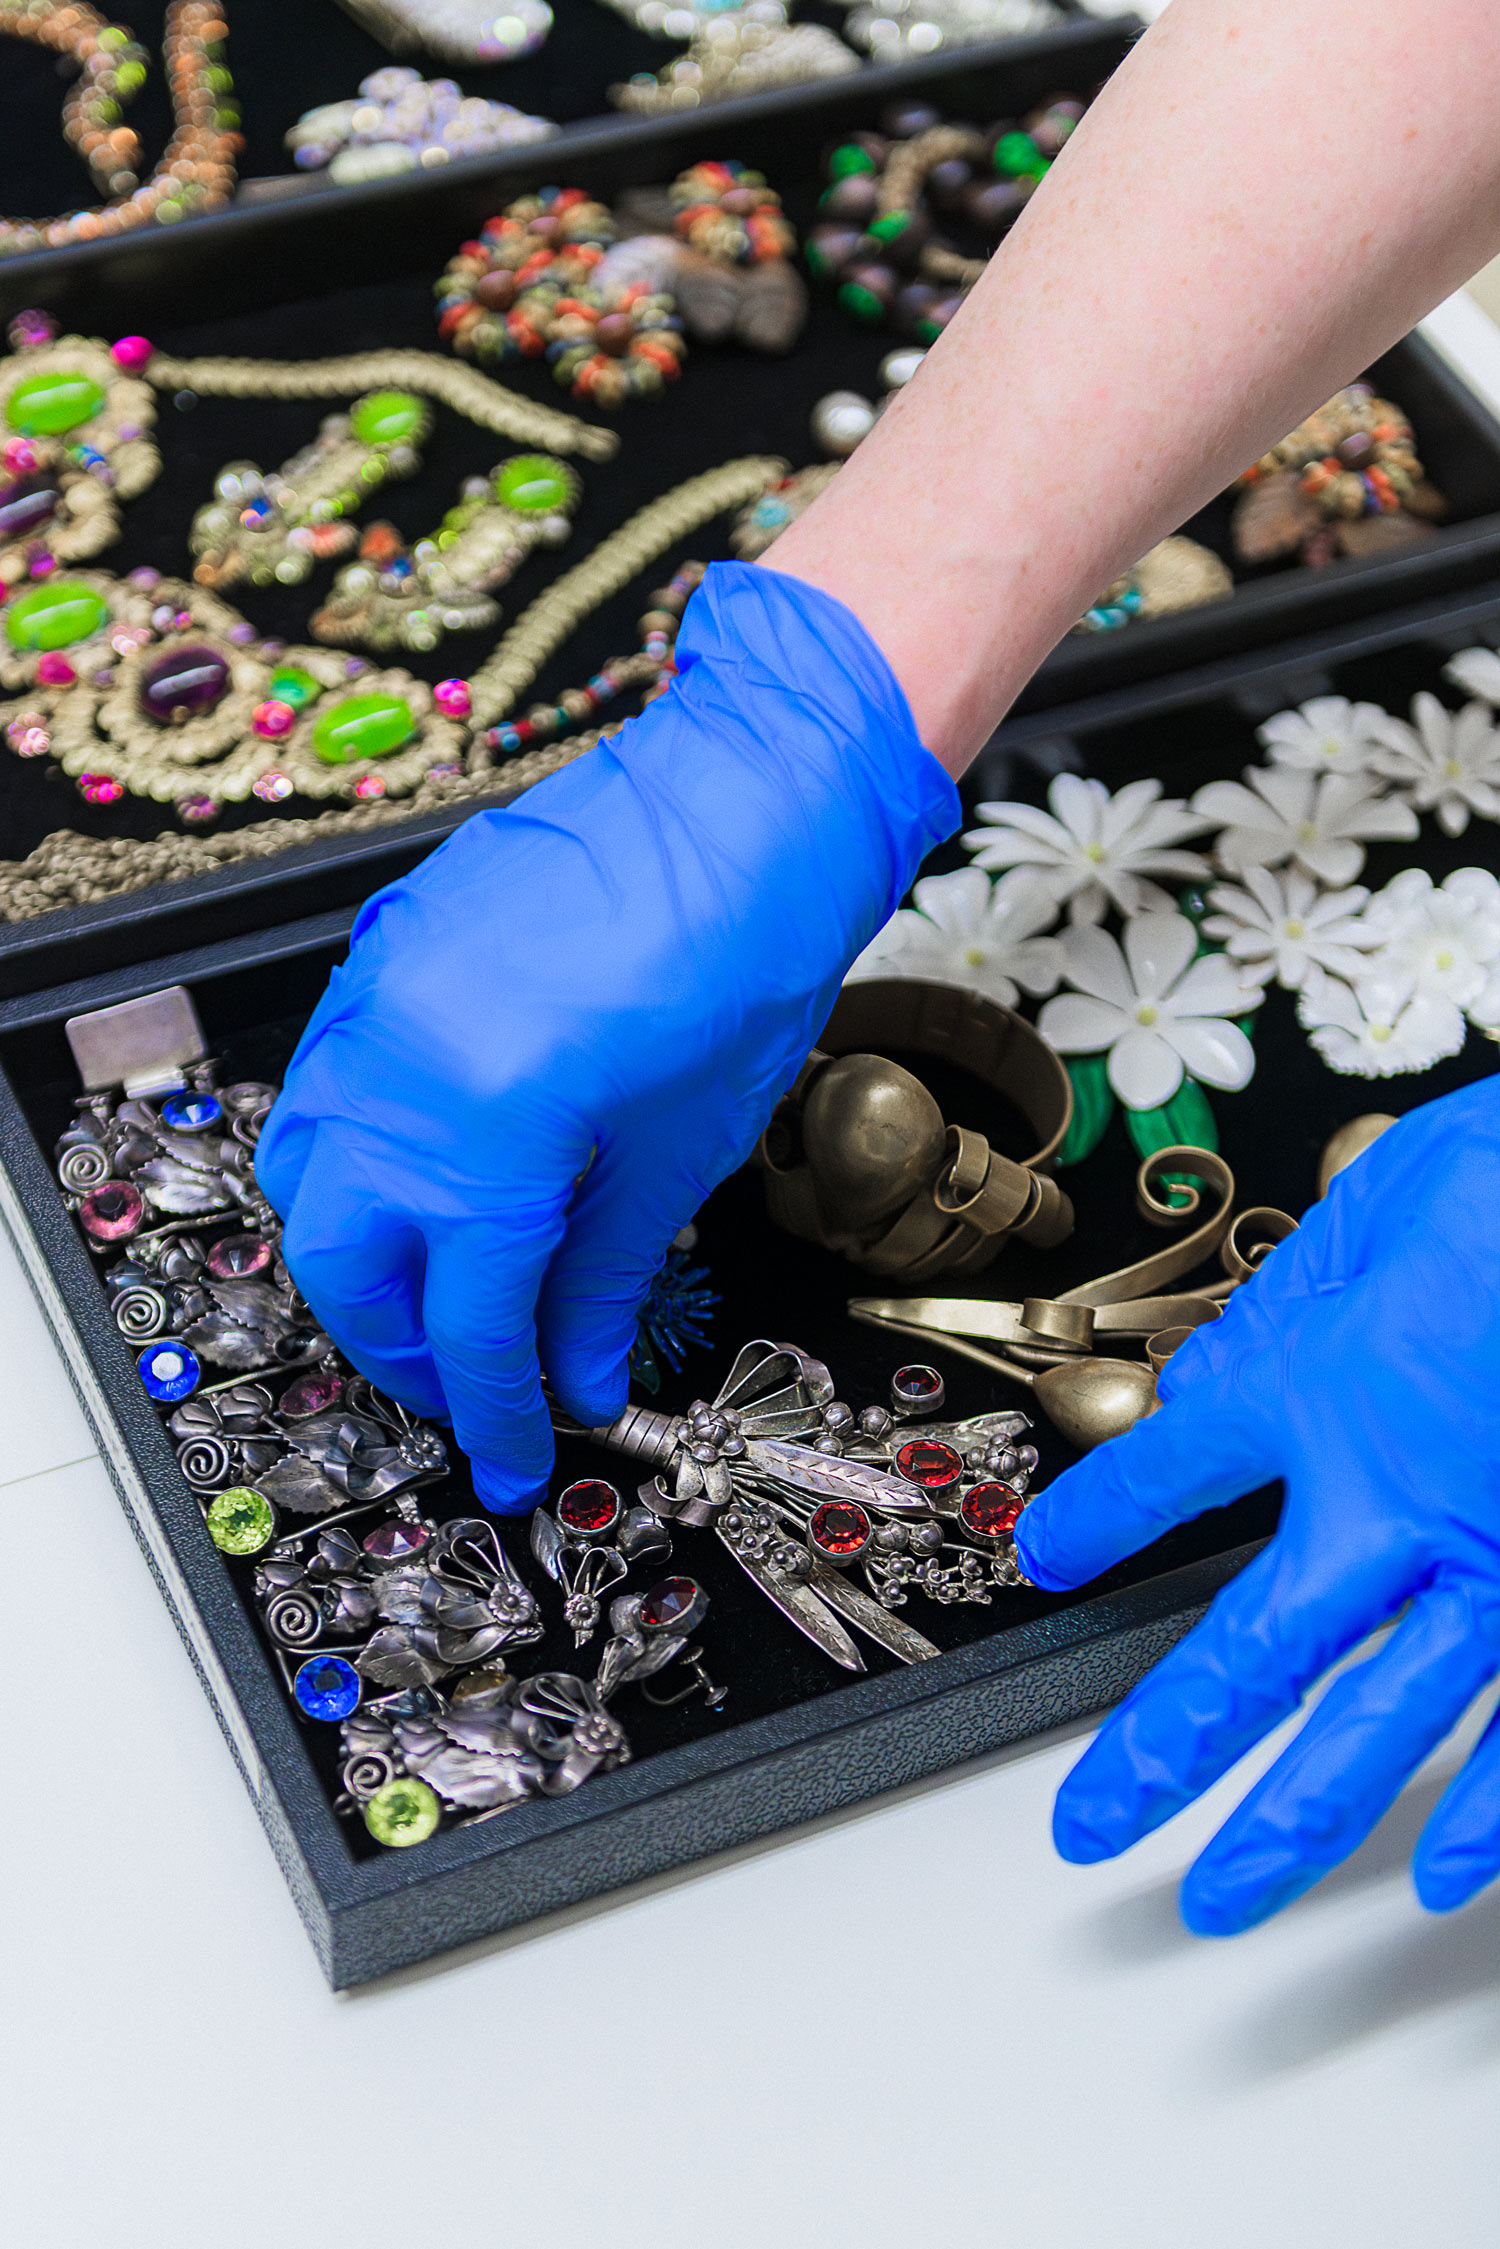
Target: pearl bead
840 420
898 367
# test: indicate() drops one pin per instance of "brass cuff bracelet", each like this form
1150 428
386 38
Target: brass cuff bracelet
857 1156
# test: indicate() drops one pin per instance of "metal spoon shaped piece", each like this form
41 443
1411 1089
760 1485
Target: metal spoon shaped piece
1087 1400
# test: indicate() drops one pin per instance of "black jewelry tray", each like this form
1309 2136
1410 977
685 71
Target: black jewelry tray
793 1743
239 287
284 227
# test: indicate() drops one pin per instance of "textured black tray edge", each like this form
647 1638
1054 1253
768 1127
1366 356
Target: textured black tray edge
79 944
367 1918
1445 620
1032 1692
1261 610
167 264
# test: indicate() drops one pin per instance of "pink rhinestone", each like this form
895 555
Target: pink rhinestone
54 670
146 578
369 785
273 720
161 618
353 666
99 788
32 328
241 634
442 772
271 788
20 456
396 1542
184 619
310 1393
198 810
111 1212
43 565
239 1256
132 353
452 698
32 741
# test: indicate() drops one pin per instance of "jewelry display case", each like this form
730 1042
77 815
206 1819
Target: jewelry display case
354 275
792 1737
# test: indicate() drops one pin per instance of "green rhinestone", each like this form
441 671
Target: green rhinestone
240 1521
847 160
46 405
388 417
403 1812
362 726
1016 154
55 615
130 76
291 684
863 303
534 484
893 224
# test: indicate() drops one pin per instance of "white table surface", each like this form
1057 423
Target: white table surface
910 2025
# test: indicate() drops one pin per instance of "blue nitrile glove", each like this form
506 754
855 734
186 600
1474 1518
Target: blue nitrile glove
1362 1365
552 1040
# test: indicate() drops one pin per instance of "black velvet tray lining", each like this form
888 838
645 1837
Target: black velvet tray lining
281 70
727 402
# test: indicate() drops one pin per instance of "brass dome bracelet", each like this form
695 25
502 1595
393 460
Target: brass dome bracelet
857 1157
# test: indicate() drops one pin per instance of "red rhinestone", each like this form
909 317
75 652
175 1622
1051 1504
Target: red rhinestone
924 1461
839 1527
990 1510
917 1382
591 1506
668 1603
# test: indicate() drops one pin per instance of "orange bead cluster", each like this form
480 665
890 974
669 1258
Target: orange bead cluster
524 289
727 211
197 172
1355 456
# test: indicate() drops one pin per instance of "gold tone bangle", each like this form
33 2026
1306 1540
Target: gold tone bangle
488 404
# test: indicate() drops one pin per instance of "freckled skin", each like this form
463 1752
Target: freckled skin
1240 226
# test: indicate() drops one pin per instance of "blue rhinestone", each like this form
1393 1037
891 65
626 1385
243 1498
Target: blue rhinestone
169 1370
327 1687
191 1112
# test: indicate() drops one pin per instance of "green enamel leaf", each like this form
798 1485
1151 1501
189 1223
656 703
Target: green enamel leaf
1187 1121
1093 1106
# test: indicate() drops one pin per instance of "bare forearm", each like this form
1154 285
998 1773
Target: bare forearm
1262 199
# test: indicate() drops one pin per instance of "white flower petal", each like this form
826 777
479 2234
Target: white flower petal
1080 806
1334 862
1477 672
1217 1053
1210 987
956 903
1095 963
1077 1024
1143 1069
1158 947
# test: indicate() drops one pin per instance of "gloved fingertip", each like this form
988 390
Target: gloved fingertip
593 1395
1031 1553
1081 1837
1448 1880
507 1495
1226 1901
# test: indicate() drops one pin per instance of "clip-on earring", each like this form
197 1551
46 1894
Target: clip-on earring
588 1544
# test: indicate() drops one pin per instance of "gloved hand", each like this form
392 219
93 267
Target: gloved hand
1362 1365
573 1020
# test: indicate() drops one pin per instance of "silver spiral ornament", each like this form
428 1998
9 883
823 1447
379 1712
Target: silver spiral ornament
295 1619
207 1463
141 1312
83 1167
366 1772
